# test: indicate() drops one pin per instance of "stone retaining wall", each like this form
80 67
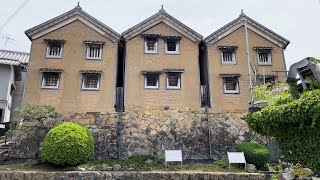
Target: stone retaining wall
6 175
151 131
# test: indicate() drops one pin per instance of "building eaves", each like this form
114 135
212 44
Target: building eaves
253 23
13 57
162 14
76 11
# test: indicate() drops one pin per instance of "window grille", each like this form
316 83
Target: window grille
173 80
50 80
151 81
94 51
54 50
91 81
231 85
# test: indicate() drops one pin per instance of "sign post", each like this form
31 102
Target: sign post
237 157
173 156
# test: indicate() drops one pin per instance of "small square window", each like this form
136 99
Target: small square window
94 51
50 80
151 81
90 81
174 80
228 56
151 45
231 85
172 46
54 49
264 57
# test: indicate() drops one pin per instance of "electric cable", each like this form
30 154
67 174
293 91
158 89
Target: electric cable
14 14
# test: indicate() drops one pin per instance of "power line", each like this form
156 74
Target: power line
14 14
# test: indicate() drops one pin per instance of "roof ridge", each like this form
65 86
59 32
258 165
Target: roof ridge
256 24
163 13
75 11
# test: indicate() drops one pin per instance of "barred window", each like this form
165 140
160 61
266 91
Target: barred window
91 81
50 80
172 46
151 45
173 80
264 57
54 49
94 51
228 56
231 85
151 81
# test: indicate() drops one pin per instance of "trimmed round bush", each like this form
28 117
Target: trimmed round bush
256 154
68 144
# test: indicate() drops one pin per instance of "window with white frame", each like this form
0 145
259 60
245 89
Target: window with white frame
264 56
94 50
228 55
151 81
90 81
172 46
50 80
151 45
54 48
231 85
173 80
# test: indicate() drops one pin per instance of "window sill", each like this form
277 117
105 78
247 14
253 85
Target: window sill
265 64
85 89
146 52
172 53
151 88
231 92
93 59
231 63
53 57
50 88
173 88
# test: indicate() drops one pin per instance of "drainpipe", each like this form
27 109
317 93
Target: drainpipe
249 61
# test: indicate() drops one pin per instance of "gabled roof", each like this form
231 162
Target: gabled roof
162 16
13 57
252 25
75 14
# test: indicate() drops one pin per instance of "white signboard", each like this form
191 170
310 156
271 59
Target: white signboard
237 157
2 126
173 156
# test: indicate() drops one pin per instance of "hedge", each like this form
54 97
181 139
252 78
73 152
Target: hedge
68 144
256 154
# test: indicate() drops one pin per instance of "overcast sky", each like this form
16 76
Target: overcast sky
296 20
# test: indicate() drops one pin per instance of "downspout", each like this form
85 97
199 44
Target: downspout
249 61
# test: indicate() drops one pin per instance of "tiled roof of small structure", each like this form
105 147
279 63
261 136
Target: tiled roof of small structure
13 57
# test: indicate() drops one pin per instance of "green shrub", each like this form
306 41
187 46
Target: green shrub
296 127
68 144
256 154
